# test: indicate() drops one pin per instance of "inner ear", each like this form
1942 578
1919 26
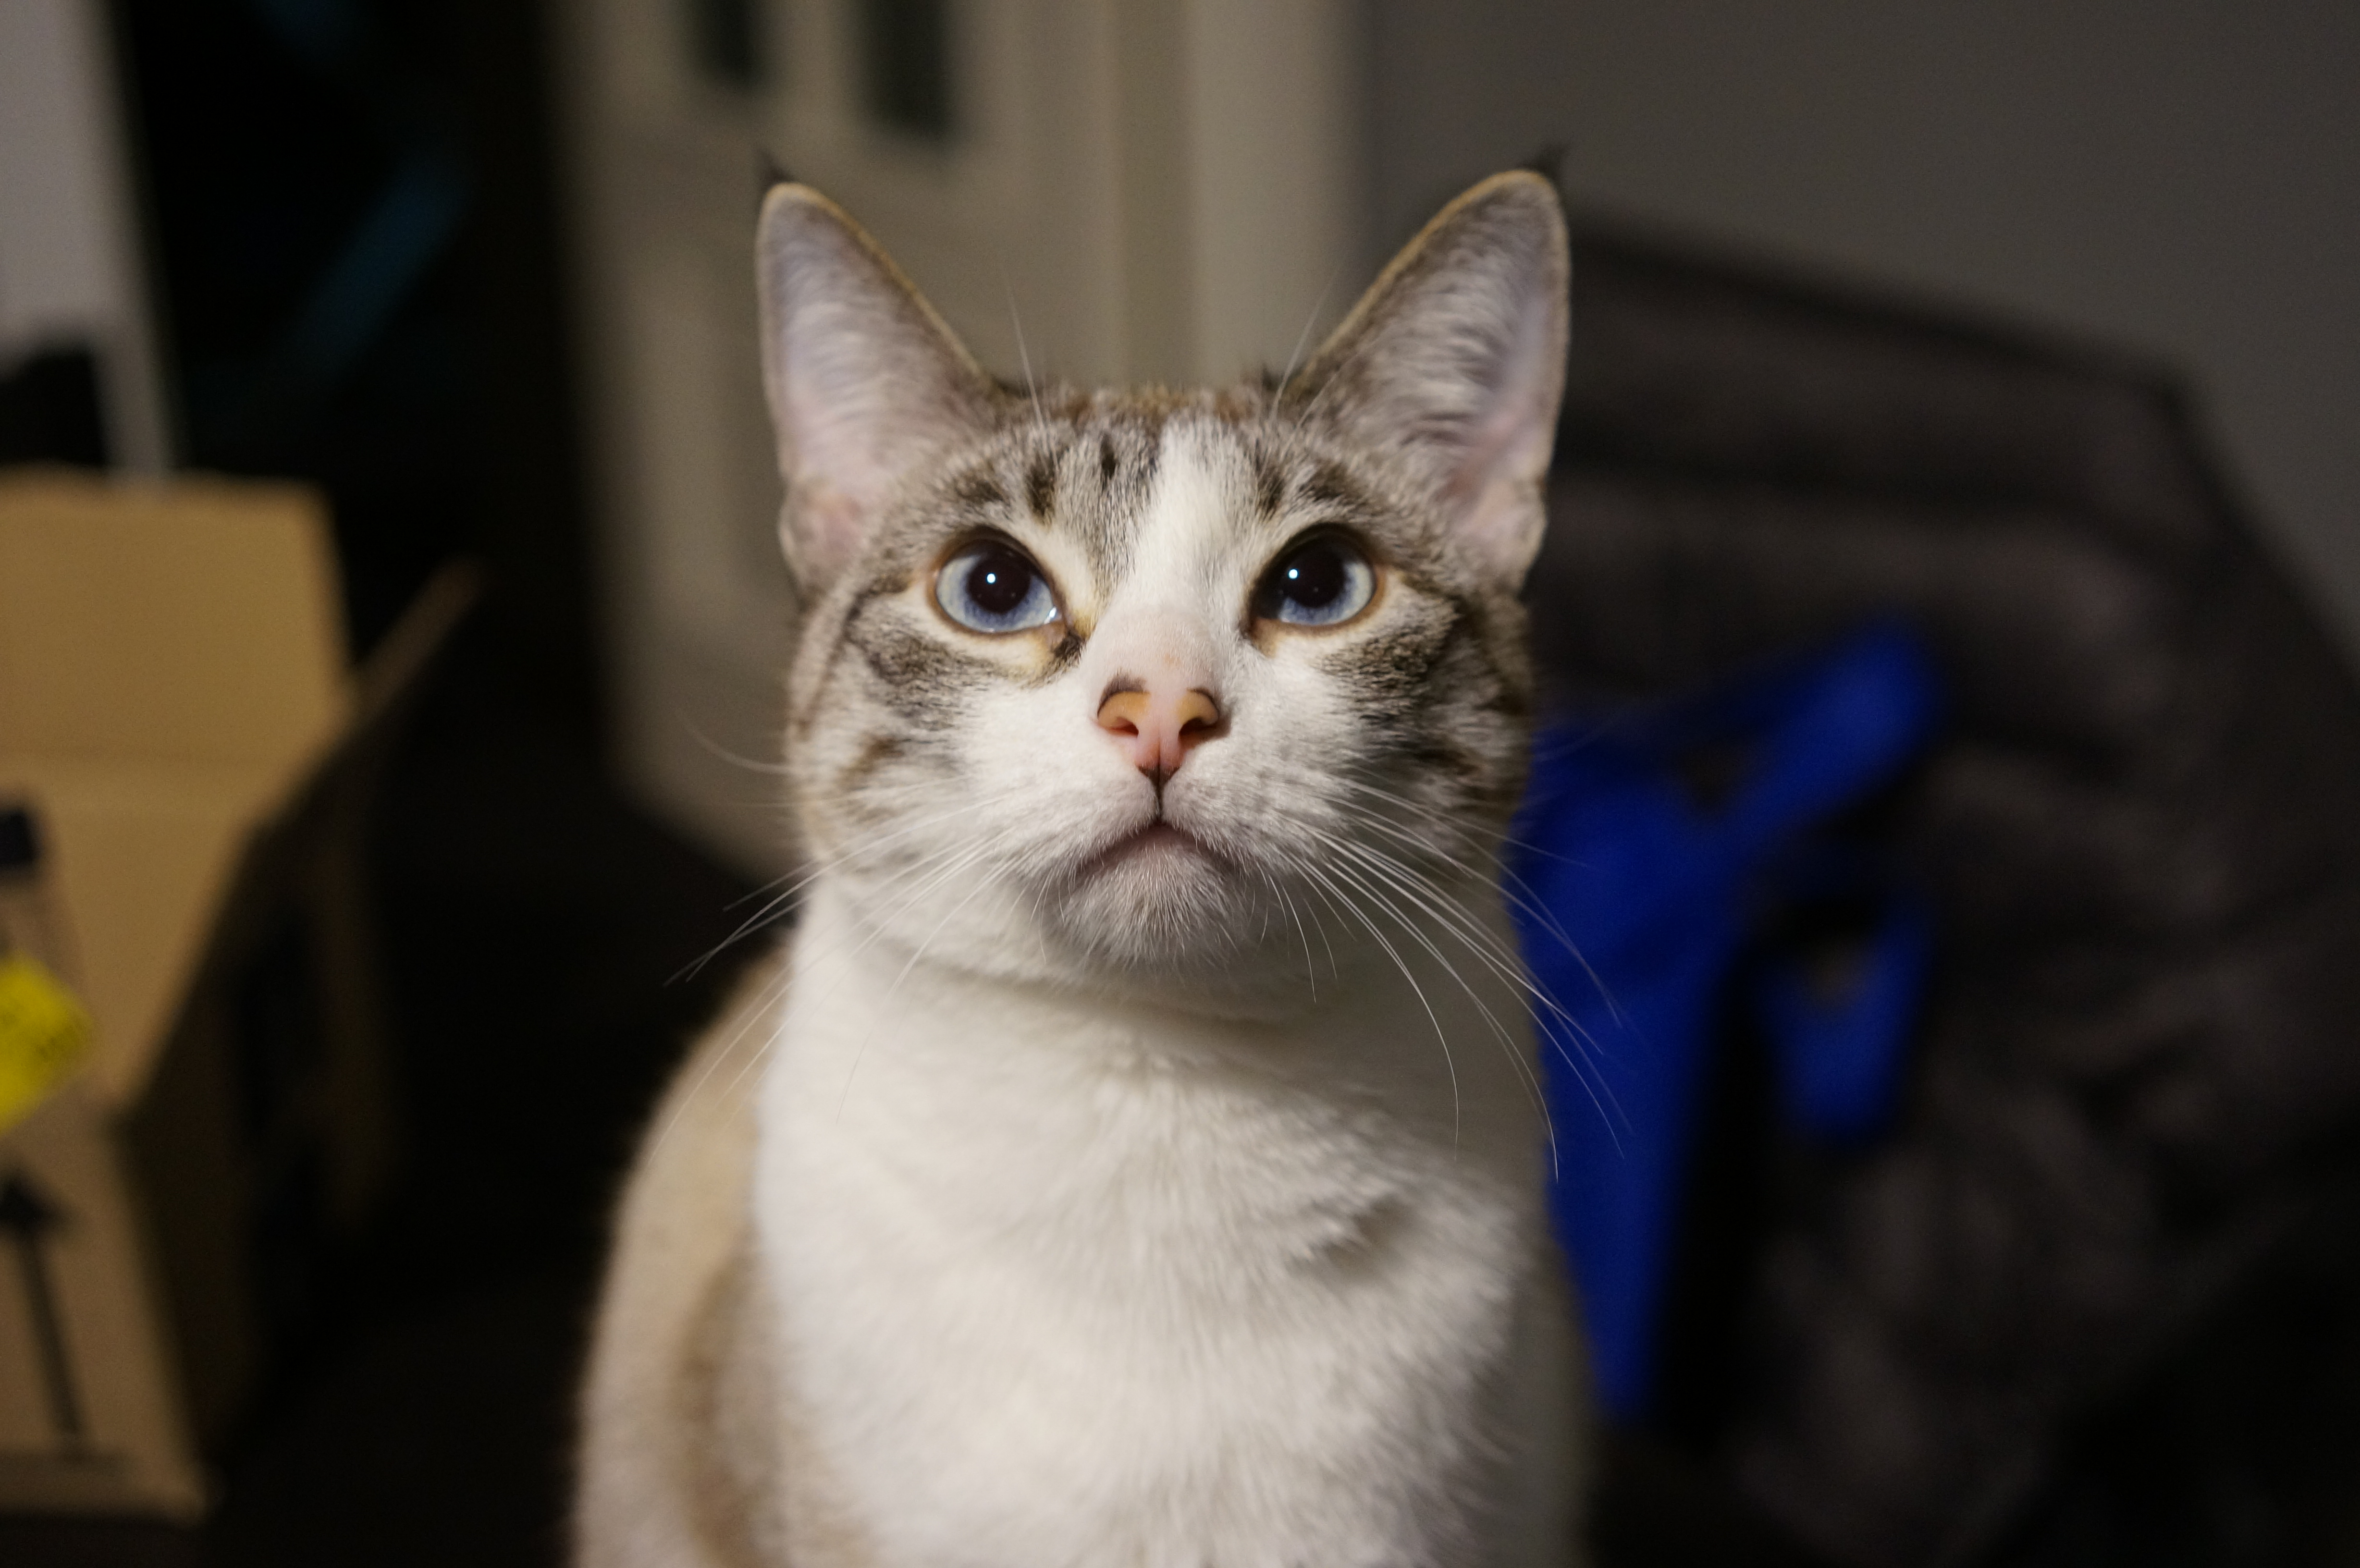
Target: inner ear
1454 361
865 384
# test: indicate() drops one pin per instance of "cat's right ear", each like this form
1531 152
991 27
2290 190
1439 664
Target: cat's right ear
1454 362
865 381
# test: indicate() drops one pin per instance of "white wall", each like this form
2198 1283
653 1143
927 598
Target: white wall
1159 188
70 269
2180 176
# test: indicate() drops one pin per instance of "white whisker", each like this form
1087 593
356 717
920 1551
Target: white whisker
1031 387
798 881
1441 1037
1506 1040
894 990
1303 337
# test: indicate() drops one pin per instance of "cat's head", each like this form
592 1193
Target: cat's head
1180 689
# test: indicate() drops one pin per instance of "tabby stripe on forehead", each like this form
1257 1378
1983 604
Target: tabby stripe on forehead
1329 485
1270 484
1040 484
981 491
1107 460
1331 488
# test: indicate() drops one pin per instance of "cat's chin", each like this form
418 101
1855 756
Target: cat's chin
1158 882
1158 903
1159 850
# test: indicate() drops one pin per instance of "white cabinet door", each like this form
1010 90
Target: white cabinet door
1105 189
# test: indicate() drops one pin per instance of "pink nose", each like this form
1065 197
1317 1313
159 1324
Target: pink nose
1155 725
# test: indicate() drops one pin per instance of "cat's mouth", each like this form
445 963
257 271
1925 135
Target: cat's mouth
1158 842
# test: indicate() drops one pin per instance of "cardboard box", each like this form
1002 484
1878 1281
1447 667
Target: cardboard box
175 705
91 1418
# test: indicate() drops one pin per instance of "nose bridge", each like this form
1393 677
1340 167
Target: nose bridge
1155 644
1152 672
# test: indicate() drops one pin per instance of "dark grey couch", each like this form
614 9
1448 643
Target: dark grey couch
2094 1298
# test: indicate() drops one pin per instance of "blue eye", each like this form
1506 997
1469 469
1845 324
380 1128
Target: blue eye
991 586
1319 582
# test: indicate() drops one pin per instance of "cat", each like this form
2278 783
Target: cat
1134 1158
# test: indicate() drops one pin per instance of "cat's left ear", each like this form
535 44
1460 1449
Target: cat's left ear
1456 359
866 383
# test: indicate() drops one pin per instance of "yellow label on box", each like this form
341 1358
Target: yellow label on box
44 1034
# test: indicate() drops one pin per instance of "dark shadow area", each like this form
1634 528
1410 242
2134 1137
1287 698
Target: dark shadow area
49 410
2092 1296
415 1406
350 206
351 209
533 925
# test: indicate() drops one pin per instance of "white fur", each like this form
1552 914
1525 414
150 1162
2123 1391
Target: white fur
1078 1283
1074 1278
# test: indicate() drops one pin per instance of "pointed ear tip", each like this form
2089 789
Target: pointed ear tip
791 200
1517 206
783 193
1530 183
1519 189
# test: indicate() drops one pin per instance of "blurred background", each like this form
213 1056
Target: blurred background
479 271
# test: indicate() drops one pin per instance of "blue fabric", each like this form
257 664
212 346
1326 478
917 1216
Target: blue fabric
1639 907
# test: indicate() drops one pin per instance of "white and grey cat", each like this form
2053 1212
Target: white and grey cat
1134 1160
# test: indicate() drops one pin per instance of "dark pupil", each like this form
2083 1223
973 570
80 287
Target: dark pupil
999 582
1313 576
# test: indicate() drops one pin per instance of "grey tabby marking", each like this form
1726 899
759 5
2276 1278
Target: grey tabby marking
1448 689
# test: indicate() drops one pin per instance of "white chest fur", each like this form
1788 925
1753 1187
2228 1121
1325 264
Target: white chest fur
1063 1281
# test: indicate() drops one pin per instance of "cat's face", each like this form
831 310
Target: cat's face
1185 690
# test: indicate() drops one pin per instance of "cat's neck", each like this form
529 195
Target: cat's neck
1016 1095
1393 1002
1120 1230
